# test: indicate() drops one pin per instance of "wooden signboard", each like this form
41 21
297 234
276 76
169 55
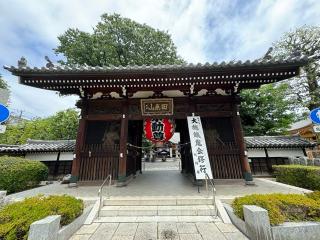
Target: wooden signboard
160 106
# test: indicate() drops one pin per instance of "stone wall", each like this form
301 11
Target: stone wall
257 226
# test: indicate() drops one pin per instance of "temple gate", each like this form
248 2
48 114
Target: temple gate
112 111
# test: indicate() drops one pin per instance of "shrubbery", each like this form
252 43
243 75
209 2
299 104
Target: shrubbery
16 218
282 207
298 175
17 174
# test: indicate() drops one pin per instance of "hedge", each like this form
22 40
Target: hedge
16 218
282 207
18 174
298 175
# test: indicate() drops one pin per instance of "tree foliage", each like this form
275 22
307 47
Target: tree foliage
118 41
266 111
303 41
62 125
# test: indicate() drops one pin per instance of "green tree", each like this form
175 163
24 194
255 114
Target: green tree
3 83
303 41
266 111
62 125
117 41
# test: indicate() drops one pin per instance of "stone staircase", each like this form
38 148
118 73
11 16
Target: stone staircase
158 209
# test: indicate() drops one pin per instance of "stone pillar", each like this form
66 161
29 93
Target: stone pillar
316 161
303 160
2 197
45 229
257 222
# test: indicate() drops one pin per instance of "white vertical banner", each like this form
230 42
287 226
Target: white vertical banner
199 148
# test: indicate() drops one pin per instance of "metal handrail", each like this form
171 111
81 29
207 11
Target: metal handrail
109 177
214 191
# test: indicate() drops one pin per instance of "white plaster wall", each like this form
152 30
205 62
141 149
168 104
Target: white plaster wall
252 153
66 156
285 152
51 156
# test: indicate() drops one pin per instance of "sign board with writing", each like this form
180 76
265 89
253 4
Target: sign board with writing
160 106
2 128
316 128
4 113
315 115
199 148
4 96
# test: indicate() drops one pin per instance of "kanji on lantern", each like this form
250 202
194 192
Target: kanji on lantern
158 130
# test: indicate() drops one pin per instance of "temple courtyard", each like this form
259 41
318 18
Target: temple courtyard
162 179
160 203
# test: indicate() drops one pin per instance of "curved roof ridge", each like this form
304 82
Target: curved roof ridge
39 141
222 64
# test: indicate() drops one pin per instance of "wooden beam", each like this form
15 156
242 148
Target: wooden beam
103 117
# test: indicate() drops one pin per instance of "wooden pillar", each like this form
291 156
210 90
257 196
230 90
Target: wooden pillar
79 145
239 138
123 144
56 166
268 161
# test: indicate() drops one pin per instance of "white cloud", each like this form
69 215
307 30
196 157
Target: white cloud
248 35
203 30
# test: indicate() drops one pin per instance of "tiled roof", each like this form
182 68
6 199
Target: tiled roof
41 146
24 68
300 124
69 145
277 142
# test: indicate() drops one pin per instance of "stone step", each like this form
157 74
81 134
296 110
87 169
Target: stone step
169 210
138 219
158 200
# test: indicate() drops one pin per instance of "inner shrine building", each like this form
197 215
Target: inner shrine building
116 101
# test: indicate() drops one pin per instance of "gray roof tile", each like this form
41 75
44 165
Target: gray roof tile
277 142
96 69
69 145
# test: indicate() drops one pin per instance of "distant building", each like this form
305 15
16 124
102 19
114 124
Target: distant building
304 129
265 151
56 155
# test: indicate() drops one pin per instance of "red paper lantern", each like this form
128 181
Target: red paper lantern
158 130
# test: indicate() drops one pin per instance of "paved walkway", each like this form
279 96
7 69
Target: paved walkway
161 179
160 230
169 164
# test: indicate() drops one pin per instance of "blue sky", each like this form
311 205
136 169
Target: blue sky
204 31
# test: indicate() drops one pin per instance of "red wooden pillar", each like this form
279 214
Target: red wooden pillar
239 137
123 144
79 144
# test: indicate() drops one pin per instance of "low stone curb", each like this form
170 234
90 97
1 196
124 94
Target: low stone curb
286 185
48 228
257 226
221 211
93 213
